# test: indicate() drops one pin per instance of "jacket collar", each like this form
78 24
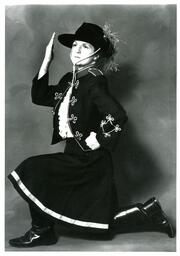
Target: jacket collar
86 70
83 71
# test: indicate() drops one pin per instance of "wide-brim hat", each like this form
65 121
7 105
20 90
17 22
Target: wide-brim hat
90 33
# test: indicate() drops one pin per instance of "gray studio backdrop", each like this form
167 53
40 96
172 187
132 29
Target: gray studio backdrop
145 85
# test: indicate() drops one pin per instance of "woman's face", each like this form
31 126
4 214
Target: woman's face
81 50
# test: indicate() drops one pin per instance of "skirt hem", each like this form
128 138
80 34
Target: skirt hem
30 198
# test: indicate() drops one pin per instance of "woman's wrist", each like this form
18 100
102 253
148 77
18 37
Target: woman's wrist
44 68
42 72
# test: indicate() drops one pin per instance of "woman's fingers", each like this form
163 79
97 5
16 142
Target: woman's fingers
49 55
51 42
52 39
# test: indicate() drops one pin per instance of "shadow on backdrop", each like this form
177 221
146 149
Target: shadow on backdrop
137 172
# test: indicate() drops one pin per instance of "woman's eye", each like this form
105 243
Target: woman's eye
74 44
86 46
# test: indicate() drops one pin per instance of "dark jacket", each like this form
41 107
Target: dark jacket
91 107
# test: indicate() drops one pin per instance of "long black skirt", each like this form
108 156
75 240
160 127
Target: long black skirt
75 187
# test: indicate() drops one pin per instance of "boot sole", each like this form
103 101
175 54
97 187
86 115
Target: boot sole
33 245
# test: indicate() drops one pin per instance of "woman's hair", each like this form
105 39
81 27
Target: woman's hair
106 61
106 64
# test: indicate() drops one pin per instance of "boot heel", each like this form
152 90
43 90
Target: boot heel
159 219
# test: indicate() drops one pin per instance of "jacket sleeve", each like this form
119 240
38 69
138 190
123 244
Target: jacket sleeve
41 92
112 113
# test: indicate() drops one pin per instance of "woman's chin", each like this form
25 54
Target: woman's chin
80 63
75 62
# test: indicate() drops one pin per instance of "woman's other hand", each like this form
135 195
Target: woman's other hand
92 142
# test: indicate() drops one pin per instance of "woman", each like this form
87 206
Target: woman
77 187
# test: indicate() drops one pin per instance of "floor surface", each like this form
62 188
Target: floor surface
129 242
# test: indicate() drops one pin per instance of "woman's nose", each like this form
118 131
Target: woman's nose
79 49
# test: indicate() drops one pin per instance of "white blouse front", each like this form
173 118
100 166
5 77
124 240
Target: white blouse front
64 129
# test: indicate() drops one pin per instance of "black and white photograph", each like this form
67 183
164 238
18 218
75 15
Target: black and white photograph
90 127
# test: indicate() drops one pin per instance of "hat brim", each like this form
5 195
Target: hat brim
66 39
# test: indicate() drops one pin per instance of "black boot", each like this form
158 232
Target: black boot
36 236
154 212
41 233
143 217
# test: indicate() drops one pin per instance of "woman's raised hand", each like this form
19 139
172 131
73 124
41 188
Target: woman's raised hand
49 54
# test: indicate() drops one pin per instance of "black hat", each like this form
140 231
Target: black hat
89 33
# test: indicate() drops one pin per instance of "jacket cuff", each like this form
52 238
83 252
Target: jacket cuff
45 77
